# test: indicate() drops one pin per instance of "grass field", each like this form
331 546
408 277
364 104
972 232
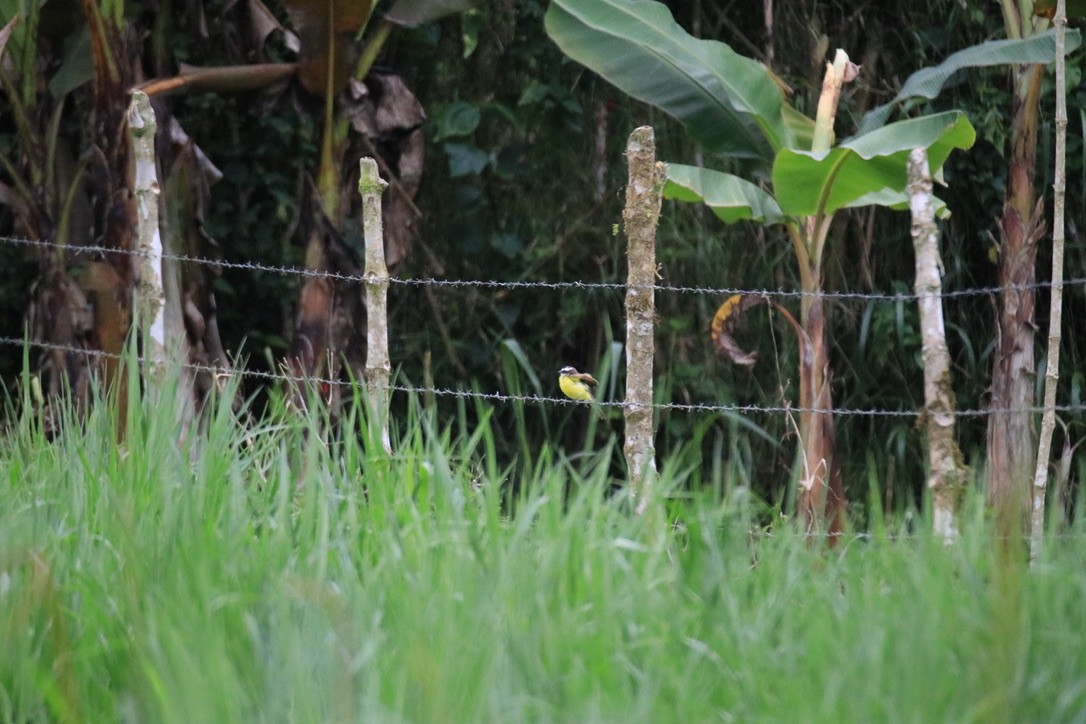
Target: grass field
257 574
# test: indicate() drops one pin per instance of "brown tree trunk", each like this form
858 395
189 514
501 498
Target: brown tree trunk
1011 429
821 496
110 284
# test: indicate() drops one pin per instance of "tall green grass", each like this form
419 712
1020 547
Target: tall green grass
280 572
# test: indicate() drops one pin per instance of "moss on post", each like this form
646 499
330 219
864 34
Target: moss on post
643 198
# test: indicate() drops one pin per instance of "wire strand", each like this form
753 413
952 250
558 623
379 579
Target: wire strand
497 284
541 399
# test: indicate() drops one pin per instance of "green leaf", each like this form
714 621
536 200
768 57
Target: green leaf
76 67
471 25
807 183
465 160
533 92
505 112
929 82
456 120
731 104
730 197
898 201
514 348
801 126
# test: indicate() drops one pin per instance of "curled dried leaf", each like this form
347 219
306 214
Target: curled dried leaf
726 322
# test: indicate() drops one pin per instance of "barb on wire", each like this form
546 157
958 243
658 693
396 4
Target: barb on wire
539 399
496 284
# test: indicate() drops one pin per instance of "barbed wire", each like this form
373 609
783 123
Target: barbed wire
542 399
497 284
896 297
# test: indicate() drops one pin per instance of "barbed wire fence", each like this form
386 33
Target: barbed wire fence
638 405
537 399
378 385
501 397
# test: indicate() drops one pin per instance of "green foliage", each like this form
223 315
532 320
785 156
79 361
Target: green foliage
254 209
507 197
731 104
929 82
532 212
270 572
861 170
454 120
541 111
730 197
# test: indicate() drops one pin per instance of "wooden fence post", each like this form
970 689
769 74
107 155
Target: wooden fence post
150 301
948 474
643 198
157 296
378 368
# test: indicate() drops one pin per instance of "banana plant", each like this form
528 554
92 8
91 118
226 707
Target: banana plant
736 107
1029 46
70 191
337 43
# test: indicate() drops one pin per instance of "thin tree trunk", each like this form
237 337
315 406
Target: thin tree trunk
191 312
643 198
109 282
1055 315
767 19
599 151
821 500
947 472
1011 429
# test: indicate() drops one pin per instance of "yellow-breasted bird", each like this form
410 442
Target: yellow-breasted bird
575 385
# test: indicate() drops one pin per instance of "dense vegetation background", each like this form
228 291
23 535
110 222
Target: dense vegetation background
515 188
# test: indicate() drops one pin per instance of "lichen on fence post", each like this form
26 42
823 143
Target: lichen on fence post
378 367
947 474
150 302
643 198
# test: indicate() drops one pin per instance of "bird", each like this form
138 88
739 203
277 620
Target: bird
575 384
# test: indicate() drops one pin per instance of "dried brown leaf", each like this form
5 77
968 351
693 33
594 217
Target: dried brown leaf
726 323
